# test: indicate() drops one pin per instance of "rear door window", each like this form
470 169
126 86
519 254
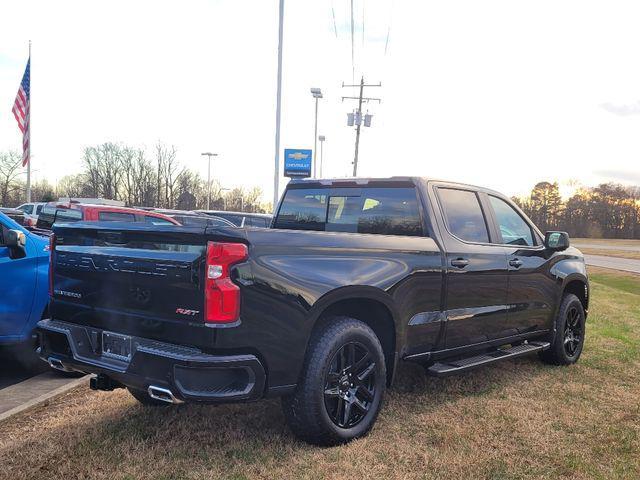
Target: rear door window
116 217
463 215
38 209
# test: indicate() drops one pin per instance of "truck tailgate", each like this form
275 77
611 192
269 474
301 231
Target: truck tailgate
137 280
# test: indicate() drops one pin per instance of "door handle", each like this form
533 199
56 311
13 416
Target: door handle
516 262
460 262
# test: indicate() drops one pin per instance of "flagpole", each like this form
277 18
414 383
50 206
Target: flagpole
29 113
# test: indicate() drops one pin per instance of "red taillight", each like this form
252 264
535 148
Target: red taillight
221 295
52 247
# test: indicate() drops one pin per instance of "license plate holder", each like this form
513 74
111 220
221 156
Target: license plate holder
116 345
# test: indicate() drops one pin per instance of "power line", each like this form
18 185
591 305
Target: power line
353 61
333 14
386 43
363 4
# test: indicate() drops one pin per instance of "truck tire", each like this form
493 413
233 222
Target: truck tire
568 338
145 399
342 385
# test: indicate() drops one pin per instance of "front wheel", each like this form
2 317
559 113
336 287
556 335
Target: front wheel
342 385
568 340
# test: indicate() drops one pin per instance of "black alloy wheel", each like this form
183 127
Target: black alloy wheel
350 385
341 386
573 331
567 337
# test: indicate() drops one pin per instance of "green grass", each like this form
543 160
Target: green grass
617 281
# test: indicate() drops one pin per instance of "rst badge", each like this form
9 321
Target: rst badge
187 312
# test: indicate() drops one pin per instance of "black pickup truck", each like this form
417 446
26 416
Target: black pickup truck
353 277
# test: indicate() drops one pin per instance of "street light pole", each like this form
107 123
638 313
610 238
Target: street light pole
317 94
276 173
322 138
209 154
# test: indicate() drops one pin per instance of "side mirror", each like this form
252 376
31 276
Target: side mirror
556 241
16 241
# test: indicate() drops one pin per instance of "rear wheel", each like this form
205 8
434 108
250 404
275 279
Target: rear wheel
342 385
568 340
144 398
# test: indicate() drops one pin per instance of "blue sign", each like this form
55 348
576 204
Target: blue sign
297 162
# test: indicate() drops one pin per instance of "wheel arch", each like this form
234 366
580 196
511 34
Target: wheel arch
370 305
578 285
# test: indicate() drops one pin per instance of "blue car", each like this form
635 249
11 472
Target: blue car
24 272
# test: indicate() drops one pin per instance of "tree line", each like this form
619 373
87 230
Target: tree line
608 210
132 175
157 179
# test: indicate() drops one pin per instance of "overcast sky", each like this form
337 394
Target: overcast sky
497 93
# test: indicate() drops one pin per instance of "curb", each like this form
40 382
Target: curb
44 397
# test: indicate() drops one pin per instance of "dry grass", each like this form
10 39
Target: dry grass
514 420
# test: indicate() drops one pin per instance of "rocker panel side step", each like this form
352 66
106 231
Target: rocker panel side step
449 367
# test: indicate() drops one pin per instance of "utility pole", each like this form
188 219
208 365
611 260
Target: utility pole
356 117
209 154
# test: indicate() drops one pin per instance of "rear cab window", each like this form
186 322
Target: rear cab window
371 210
463 215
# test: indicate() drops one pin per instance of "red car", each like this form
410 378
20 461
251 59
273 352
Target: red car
74 212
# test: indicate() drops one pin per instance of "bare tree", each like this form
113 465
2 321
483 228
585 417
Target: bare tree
10 169
168 172
104 169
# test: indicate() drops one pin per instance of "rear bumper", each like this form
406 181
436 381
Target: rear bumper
188 373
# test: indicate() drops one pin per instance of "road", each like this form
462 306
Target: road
624 264
600 246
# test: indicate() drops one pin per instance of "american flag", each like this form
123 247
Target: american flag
21 111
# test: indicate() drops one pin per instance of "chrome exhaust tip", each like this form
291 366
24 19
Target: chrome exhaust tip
162 394
57 364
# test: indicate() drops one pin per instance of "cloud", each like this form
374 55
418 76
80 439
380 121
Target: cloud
622 110
623 176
